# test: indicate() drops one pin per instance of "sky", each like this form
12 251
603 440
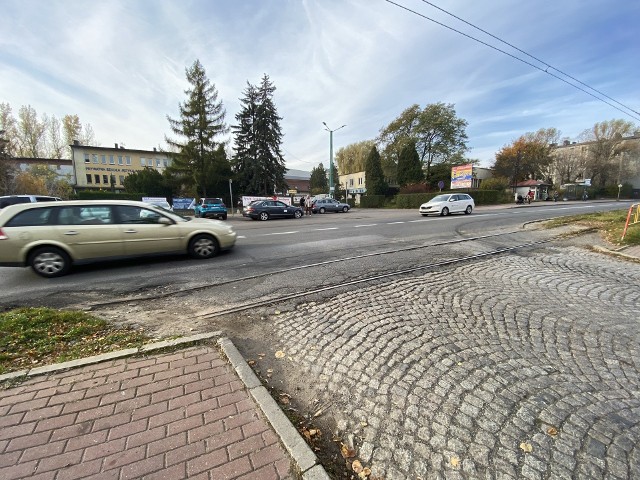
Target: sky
120 65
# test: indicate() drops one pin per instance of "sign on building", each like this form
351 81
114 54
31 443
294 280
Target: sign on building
462 176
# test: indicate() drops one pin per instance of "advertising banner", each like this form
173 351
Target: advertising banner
462 176
184 203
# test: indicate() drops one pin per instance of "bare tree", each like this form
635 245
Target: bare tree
31 133
54 146
8 126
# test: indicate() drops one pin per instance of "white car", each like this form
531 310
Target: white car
448 203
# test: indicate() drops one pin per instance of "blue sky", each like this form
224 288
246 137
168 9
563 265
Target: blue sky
119 65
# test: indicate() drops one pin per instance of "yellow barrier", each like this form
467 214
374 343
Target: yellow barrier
630 215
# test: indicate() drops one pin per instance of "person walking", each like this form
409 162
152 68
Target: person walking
302 202
307 204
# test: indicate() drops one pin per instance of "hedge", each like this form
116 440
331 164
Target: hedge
105 195
414 200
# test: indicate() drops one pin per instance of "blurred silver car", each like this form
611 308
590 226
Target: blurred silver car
448 203
51 237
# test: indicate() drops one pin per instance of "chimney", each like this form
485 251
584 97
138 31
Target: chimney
76 143
116 145
154 149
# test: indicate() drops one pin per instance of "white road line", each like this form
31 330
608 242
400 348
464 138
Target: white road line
281 233
241 236
369 225
394 223
329 228
421 220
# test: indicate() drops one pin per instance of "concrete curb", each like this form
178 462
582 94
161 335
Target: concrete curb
293 442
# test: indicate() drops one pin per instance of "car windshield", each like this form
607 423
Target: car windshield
169 213
439 198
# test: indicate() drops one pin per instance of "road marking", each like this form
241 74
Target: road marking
421 220
241 236
369 225
281 233
329 228
394 223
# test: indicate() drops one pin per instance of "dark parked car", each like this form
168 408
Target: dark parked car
14 199
329 205
266 209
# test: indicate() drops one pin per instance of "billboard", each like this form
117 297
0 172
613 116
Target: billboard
462 176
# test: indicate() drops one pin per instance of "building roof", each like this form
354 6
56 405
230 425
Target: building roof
297 175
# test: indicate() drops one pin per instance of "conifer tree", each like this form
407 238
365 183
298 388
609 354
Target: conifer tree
258 163
201 123
373 174
409 166
318 182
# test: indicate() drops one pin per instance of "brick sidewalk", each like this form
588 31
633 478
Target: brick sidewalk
178 415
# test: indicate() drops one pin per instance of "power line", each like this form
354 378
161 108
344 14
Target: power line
531 56
545 70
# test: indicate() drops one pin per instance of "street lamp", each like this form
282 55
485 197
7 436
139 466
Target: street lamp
331 186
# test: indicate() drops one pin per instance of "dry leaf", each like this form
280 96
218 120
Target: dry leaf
526 447
356 466
347 452
455 461
365 473
251 362
269 370
552 431
280 354
277 312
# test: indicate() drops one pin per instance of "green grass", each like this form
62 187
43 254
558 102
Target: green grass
32 337
609 224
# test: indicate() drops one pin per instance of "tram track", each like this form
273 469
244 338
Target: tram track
315 290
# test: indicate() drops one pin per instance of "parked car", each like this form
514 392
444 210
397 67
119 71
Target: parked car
211 208
266 209
13 199
323 205
448 203
51 237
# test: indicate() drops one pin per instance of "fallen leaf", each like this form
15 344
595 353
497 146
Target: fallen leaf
251 362
526 447
455 461
347 452
277 312
356 466
365 473
552 431
269 370
280 354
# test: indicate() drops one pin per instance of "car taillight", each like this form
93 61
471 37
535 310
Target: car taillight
3 236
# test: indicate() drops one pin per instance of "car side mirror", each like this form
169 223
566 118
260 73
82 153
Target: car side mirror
165 221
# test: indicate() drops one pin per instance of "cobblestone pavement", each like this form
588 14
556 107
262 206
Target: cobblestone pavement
169 416
516 366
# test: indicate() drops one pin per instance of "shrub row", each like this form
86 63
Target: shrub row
414 200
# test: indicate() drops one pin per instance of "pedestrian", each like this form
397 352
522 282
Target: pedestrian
307 204
301 202
555 195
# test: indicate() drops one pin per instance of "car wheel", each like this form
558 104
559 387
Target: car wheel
444 212
468 210
264 216
297 214
50 262
197 214
424 214
345 209
203 246
322 210
223 217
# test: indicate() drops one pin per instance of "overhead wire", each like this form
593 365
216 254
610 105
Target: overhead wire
537 67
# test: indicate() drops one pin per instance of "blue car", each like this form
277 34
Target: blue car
211 208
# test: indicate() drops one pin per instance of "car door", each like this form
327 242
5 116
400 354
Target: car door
89 231
454 204
144 234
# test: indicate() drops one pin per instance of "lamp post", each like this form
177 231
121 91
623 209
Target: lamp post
326 127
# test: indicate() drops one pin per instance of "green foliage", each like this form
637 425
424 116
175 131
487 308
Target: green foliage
258 163
32 337
352 158
439 135
373 201
374 177
409 166
201 121
149 181
495 183
318 182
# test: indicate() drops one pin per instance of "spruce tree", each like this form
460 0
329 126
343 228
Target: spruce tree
409 166
318 182
201 123
373 174
258 162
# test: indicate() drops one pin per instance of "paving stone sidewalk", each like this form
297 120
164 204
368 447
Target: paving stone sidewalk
185 414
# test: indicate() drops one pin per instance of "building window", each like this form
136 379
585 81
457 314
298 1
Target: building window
158 162
105 178
95 158
97 178
351 182
165 162
360 181
112 160
120 161
142 161
88 178
86 158
104 159
128 159
121 179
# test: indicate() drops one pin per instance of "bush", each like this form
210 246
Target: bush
372 201
104 195
480 197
